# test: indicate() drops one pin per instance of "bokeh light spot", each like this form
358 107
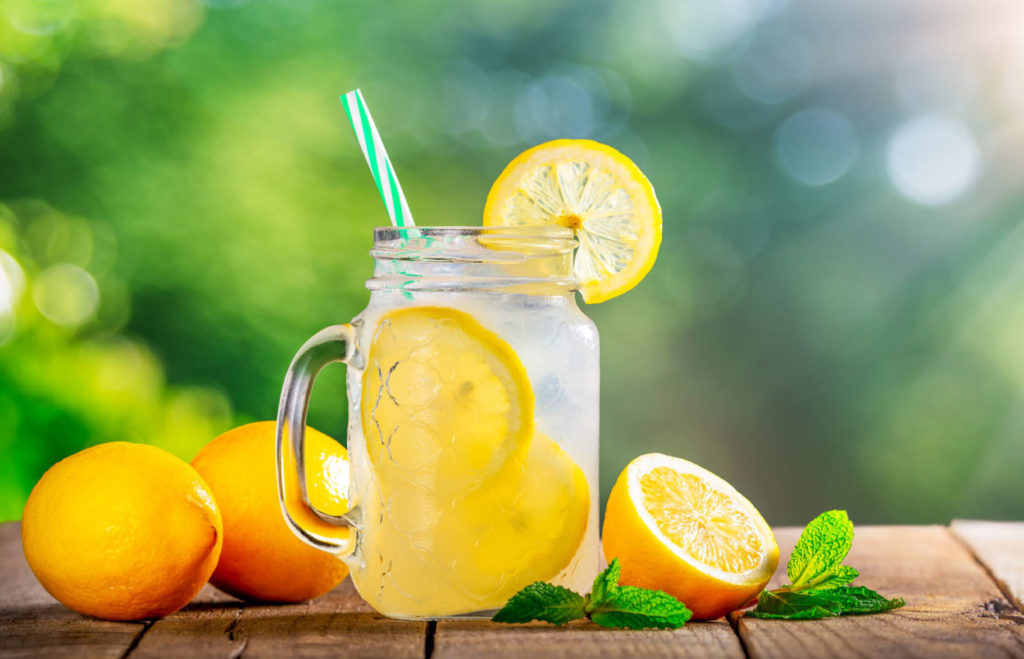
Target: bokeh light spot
223 4
498 125
775 67
554 106
12 283
19 46
129 368
66 294
128 29
929 81
933 160
703 30
816 146
39 17
465 92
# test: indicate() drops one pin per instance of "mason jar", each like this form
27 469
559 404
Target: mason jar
473 394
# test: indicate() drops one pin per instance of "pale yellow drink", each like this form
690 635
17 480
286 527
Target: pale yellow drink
473 397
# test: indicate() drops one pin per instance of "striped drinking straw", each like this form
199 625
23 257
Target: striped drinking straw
377 158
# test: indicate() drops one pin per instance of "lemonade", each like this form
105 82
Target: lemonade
473 432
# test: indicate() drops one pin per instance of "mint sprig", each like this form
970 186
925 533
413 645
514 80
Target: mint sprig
608 605
819 553
543 601
638 608
813 604
818 587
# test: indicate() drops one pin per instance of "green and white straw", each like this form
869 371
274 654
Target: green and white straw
377 158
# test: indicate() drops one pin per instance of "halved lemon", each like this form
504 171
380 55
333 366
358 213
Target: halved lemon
595 190
677 527
445 401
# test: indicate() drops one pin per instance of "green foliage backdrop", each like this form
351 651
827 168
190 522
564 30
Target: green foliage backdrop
835 319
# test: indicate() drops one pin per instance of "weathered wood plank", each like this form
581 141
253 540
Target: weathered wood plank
954 609
473 638
1000 548
339 624
33 624
949 610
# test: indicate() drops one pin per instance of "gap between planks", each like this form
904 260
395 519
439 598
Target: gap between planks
999 548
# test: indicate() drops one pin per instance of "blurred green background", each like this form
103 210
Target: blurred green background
836 318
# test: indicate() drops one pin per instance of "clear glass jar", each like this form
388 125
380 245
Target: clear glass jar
473 393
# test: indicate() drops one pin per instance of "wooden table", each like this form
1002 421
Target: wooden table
964 587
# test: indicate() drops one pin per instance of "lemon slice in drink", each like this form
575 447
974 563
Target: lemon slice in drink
483 545
445 400
595 190
525 525
676 526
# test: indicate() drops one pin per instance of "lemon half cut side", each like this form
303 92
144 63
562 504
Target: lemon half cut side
677 527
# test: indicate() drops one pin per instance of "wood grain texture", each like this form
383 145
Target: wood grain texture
339 624
949 610
584 640
33 624
999 546
954 609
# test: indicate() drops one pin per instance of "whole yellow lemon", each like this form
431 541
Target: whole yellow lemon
122 531
262 559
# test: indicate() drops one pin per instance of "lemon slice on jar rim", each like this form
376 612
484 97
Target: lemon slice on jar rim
596 191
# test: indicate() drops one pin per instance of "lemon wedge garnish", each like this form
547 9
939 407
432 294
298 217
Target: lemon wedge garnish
595 190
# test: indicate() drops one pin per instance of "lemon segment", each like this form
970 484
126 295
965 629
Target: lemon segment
704 521
595 190
678 527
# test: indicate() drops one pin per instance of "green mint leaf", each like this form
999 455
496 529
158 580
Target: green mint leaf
543 601
813 604
857 600
819 579
606 582
789 605
819 552
639 608
838 576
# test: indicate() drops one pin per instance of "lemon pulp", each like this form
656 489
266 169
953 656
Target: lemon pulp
598 192
702 520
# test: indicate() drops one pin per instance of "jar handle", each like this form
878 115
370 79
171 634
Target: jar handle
331 533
